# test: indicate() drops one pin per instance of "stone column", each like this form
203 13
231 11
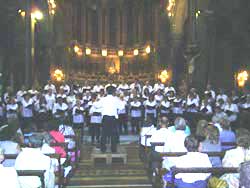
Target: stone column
124 29
119 25
100 24
156 20
89 23
106 24
83 22
140 24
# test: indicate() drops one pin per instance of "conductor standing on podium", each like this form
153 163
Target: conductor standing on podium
110 106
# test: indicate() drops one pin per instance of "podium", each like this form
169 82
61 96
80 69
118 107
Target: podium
108 156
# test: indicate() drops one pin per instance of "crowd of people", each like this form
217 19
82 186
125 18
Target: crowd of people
35 118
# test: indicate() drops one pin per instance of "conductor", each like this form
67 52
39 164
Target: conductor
110 106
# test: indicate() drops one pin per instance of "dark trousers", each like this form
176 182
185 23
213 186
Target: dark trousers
123 123
136 123
95 131
109 130
26 124
79 130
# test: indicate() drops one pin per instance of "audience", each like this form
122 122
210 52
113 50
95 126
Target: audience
193 158
234 157
8 175
32 158
212 144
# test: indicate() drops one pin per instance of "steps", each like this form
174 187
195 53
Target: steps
115 175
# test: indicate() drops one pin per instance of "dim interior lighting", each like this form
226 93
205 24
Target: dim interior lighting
88 51
242 78
120 53
104 52
37 14
136 52
79 53
52 7
58 75
111 70
76 49
22 12
170 7
148 49
163 76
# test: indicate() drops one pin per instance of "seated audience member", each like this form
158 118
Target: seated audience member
32 158
200 130
8 175
160 136
212 144
234 157
192 159
179 133
147 129
226 135
180 122
10 139
218 114
57 137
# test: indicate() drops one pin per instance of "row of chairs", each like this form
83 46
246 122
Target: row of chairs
156 174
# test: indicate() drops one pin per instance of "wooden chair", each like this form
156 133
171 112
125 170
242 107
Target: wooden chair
39 173
213 170
54 156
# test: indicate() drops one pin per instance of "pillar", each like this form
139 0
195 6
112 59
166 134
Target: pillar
124 25
83 22
100 24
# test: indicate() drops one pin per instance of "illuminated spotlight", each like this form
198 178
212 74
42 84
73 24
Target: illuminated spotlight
111 70
37 14
242 78
76 49
58 75
163 76
79 53
148 49
120 53
88 51
136 52
104 52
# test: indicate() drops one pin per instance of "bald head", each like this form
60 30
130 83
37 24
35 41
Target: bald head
164 122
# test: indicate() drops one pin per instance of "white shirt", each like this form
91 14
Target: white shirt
158 86
8 177
34 159
50 86
192 160
78 117
12 107
96 107
123 104
110 106
50 99
161 135
71 101
27 112
221 96
170 88
97 88
146 131
136 112
57 106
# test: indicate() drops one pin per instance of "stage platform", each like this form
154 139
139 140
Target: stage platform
108 156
